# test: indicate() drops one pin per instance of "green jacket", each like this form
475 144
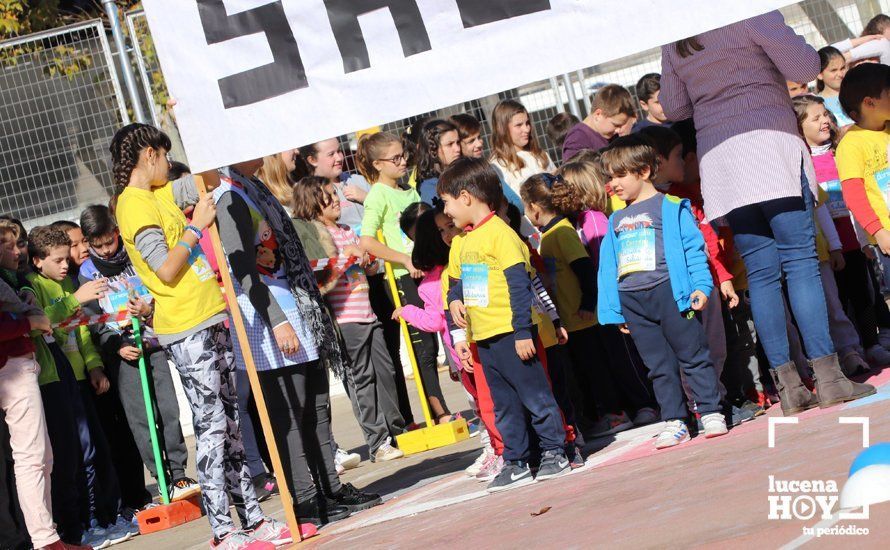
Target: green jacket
58 302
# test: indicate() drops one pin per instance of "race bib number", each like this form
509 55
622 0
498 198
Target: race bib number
883 180
636 251
836 205
475 284
200 265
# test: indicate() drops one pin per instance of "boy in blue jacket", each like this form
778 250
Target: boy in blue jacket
653 277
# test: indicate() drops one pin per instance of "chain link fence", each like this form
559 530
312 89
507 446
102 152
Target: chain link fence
60 104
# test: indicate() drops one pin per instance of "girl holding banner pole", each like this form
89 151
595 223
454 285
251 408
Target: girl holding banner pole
292 337
189 317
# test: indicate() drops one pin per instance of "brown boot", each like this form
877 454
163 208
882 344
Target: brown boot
794 396
832 387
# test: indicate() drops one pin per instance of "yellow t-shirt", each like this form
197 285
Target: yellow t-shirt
560 246
195 296
863 154
479 261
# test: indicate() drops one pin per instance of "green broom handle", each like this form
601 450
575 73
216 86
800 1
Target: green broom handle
150 415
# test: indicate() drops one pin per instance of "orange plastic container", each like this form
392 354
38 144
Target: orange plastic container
170 515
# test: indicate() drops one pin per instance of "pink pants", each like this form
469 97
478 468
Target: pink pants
31 451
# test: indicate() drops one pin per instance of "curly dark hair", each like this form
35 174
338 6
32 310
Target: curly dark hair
126 145
43 239
428 165
310 197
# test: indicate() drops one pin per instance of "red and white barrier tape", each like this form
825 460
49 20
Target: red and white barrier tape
81 320
337 265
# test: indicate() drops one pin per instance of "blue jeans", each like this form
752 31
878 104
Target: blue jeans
776 238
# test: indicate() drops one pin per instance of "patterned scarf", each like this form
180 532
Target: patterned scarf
300 277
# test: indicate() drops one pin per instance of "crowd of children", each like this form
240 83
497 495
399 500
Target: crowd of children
574 301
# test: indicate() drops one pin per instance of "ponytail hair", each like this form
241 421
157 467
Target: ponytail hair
583 188
370 148
428 165
538 189
126 145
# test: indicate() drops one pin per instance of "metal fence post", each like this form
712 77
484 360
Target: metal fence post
585 97
126 69
570 94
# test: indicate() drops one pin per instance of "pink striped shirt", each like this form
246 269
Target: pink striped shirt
349 299
748 144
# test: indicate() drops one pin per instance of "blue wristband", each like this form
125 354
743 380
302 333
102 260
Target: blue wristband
185 245
198 233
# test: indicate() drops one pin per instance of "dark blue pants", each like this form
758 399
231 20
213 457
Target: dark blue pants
669 341
104 489
520 389
63 436
557 363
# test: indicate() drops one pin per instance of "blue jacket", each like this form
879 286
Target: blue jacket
684 253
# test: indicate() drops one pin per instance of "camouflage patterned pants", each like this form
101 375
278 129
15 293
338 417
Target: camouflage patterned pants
207 367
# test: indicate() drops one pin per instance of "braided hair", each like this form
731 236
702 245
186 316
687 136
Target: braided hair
126 145
428 164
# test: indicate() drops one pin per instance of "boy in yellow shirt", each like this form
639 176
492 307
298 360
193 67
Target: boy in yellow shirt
490 295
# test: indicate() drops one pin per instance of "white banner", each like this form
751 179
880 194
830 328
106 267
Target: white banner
254 77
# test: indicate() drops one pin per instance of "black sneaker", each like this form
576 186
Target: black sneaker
259 487
513 474
318 511
354 500
553 464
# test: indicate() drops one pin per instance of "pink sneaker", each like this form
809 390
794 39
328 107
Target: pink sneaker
273 531
239 540
491 468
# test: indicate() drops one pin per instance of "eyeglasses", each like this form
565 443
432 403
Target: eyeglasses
396 159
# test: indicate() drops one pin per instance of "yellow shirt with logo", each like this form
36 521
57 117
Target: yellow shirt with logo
479 262
862 154
560 246
194 296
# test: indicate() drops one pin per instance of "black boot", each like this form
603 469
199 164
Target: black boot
794 396
353 499
319 511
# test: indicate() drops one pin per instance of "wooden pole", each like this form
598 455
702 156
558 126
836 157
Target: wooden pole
238 326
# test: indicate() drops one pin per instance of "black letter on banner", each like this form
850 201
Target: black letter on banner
285 73
475 12
344 14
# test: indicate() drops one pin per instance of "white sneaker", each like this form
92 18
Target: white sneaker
674 433
491 468
646 415
714 424
346 461
476 466
386 452
877 356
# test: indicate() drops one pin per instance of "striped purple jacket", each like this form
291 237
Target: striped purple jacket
749 147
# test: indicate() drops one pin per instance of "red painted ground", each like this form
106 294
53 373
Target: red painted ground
706 493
